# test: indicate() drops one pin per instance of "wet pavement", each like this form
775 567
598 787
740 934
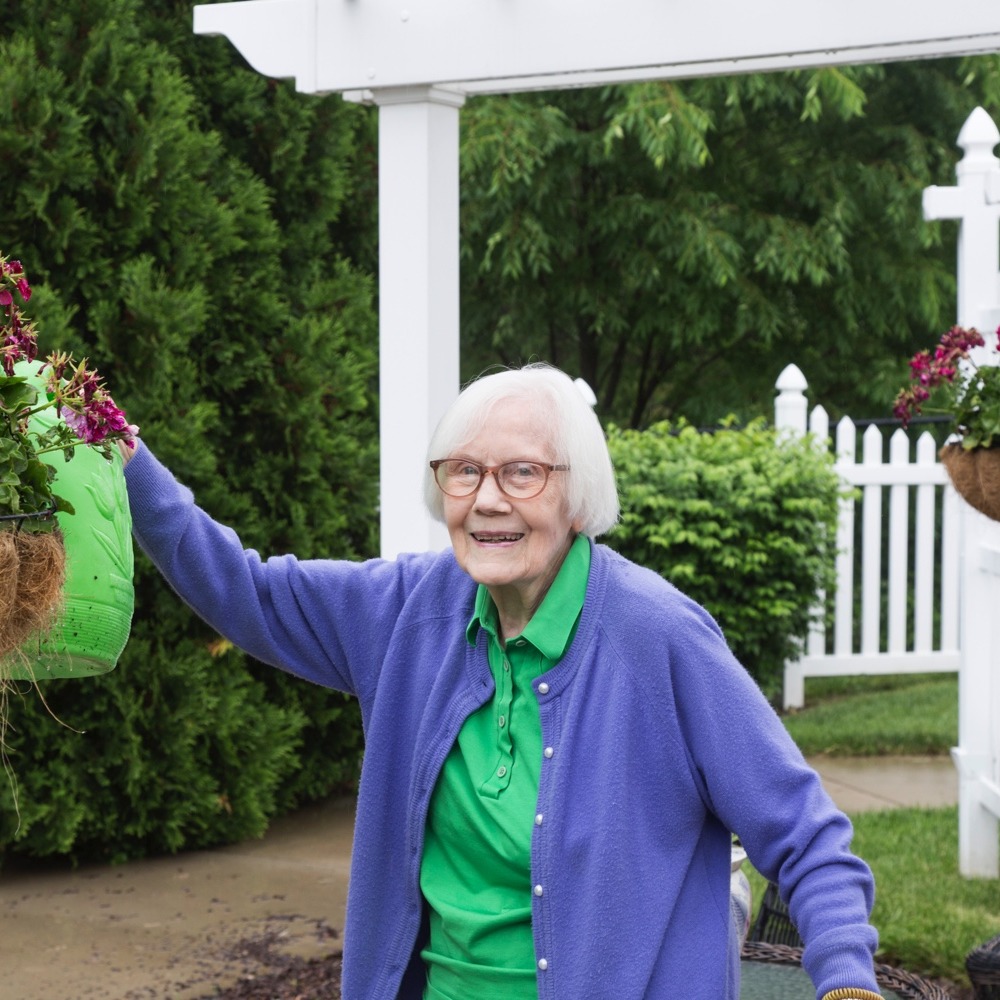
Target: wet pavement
864 784
176 928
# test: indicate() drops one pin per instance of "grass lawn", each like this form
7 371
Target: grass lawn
874 716
928 916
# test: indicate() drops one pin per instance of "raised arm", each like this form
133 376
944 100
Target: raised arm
324 620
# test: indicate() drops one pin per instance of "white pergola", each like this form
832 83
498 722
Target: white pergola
418 60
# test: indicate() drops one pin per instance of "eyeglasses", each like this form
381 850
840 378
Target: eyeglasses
519 480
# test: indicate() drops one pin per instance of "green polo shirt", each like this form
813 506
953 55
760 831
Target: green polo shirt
476 869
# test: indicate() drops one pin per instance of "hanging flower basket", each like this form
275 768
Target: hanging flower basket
73 599
975 474
66 592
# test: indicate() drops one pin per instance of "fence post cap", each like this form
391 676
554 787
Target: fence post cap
979 130
978 137
791 380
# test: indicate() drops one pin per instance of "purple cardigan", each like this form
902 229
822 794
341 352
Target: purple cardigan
657 745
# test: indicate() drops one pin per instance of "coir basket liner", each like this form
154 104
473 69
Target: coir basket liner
975 474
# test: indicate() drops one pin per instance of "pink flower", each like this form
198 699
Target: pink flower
19 343
98 416
907 404
960 339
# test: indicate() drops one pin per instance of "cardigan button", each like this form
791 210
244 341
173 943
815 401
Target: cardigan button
538 819
549 751
543 964
543 688
539 890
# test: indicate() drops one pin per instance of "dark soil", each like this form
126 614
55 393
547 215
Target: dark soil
271 975
276 976
316 979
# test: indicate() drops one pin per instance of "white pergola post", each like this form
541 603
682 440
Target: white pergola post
418 299
975 201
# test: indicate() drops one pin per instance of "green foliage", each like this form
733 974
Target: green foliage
201 262
677 244
977 412
740 520
156 756
25 481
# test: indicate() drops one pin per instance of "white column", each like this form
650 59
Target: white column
975 756
975 201
418 299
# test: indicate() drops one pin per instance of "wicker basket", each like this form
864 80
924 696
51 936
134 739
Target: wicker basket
983 966
892 982
975 475
773 924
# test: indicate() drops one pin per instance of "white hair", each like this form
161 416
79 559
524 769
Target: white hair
570 426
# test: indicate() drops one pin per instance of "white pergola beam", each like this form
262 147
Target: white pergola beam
505 45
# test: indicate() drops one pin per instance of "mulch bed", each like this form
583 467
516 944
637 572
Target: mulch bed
277 976
316 979
290 978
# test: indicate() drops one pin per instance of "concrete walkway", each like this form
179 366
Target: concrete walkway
175 928
869 783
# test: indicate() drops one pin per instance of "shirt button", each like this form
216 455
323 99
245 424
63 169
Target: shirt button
543 964
539 890
502 721
538 819
501 771
543 688
549 751
506 665
520 642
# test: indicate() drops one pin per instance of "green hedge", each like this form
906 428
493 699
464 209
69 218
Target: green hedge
206 264
740 520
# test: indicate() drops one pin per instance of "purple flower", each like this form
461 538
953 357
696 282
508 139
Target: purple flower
97 415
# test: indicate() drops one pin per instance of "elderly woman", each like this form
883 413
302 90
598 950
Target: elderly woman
558 743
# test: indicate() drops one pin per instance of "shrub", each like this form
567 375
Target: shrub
740 520
202 268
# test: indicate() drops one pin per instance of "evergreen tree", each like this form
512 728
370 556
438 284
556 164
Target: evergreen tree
201 263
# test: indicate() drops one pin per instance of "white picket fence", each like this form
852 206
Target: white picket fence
897 540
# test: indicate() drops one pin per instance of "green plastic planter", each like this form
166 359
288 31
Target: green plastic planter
99 597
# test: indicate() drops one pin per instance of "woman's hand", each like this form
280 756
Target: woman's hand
127 449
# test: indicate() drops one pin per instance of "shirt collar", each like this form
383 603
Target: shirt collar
552 626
